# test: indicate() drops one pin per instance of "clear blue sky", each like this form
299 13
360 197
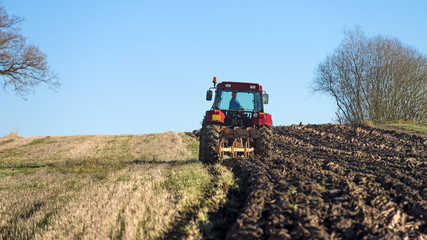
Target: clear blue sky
134 67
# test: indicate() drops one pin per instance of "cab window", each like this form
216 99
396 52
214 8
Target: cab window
249 100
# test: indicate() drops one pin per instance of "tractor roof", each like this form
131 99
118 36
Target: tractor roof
239 86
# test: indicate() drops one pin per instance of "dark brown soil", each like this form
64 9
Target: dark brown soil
335 182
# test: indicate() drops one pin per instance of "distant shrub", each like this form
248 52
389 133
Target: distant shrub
13 134
369 123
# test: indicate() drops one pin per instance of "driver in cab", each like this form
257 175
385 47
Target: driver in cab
234 103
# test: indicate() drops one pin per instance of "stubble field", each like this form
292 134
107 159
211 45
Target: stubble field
105 187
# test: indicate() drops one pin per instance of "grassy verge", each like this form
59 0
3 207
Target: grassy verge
194 220
412 129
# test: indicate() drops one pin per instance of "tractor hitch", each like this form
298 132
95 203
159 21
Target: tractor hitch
241 141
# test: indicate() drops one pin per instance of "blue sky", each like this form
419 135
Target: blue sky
135 67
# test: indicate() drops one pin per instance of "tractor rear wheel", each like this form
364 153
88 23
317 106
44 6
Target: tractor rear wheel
201 151
264 142
210 139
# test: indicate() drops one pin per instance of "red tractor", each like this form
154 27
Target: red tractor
236 123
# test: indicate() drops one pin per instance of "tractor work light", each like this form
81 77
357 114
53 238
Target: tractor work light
227 85
252 86
216 116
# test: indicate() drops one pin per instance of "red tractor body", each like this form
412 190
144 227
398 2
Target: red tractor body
239 86
219 116
236 122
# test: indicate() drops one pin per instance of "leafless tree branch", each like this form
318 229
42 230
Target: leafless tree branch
22 66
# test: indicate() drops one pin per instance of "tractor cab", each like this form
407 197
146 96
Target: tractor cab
239 102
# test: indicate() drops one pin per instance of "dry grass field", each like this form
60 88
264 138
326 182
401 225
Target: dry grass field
106 187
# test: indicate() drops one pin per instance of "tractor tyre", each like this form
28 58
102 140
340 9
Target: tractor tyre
264 142
201 143
211 139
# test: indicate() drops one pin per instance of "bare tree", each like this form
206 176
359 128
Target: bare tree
376 79
22 66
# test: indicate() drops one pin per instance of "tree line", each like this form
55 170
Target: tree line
374 78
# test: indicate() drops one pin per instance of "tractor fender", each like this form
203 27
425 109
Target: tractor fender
262 119
215 116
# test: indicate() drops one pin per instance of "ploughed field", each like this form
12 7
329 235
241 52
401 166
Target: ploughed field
334 181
